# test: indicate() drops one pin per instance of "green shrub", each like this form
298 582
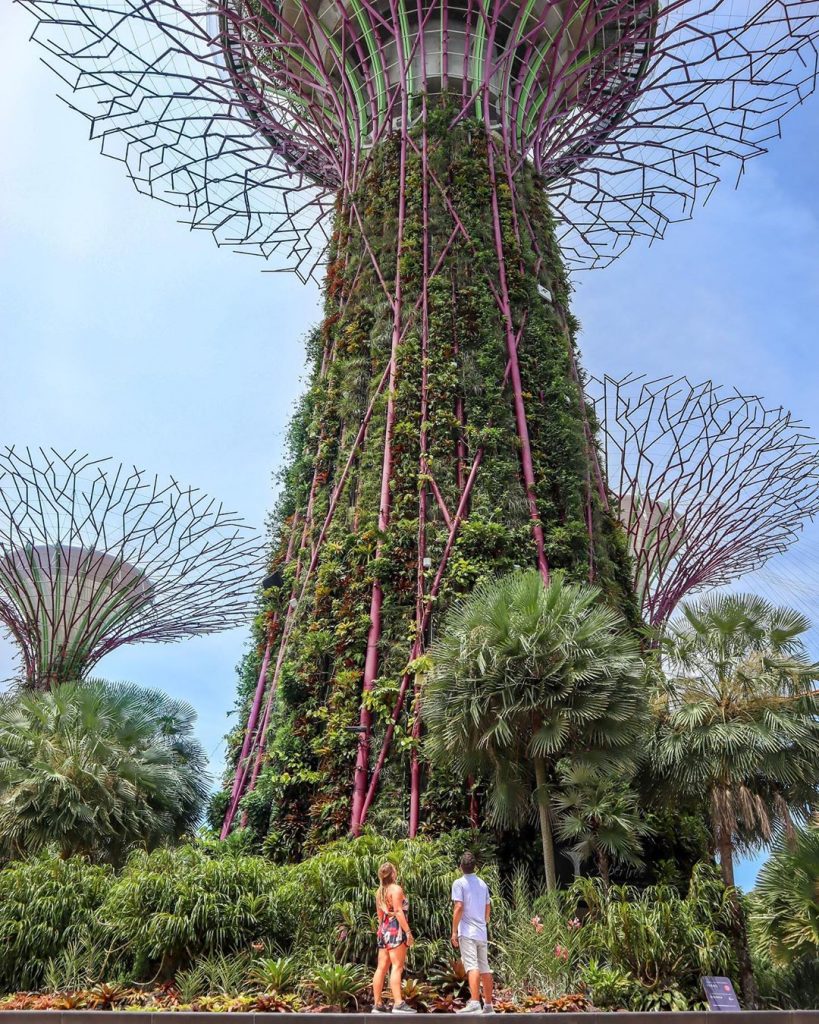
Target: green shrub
328 901
608 987
661 939
338 984
169 908
49 908
534 940
276 975
785 910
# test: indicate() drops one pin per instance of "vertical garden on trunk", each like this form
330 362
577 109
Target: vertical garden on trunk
452 415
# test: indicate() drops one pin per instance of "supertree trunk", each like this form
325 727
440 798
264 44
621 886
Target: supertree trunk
446 438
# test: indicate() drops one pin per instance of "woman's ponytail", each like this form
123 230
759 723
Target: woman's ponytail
386 877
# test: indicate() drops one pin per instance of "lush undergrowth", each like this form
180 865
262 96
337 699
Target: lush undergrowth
208 927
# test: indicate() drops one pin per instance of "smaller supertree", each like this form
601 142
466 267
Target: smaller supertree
710 483
93 556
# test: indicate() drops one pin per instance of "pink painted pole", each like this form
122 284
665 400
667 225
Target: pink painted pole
250 732
362 761
521 423
416 647
415 764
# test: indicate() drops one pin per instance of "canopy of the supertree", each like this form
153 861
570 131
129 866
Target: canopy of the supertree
93 556
710 483
253 114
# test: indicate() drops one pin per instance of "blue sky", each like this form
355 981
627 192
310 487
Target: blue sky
125 334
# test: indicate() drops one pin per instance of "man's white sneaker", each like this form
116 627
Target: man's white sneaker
403 1008
488 1008
473 1006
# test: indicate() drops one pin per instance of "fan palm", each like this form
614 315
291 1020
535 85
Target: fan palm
96 767
523 674
787 896
600 816
739 724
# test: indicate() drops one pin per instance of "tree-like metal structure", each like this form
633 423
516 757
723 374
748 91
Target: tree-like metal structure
93 556
440 158
710 483
254 114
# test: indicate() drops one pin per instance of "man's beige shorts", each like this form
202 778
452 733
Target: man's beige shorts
474 955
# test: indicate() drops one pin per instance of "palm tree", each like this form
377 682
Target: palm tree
787 896
95 767
738 723
523 674
599 814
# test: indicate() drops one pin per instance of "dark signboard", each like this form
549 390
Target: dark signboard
720 994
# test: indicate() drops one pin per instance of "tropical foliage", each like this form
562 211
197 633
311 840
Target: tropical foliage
738 721
787 897
599 815
524 674
96 767
224 929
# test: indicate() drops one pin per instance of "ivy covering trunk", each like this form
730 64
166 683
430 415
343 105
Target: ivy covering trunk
477 303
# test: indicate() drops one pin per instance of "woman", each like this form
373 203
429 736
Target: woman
393 938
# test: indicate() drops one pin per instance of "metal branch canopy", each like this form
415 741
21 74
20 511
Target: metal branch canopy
93 556
442 158
710 483
252 114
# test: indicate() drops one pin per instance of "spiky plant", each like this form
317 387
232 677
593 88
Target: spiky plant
739 724
599 816
523 674
96 768
338 984
787 897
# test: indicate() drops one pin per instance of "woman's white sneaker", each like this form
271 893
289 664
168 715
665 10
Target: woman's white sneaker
473 1006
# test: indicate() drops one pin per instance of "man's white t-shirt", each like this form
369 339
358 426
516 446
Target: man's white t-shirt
473 892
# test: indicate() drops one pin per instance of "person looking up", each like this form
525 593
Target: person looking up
470 916
393 938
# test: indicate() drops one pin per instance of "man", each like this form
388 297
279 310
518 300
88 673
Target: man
470 897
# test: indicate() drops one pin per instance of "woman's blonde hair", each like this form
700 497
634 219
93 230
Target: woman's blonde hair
386 876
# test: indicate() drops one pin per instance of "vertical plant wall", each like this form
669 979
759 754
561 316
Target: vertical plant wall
451 400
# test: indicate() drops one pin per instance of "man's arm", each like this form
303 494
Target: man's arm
457 914
488 911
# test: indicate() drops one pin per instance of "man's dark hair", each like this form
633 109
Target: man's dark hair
468 863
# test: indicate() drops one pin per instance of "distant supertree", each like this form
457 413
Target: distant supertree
441 158
93 556
710 483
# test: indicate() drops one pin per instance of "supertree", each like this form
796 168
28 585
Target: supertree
440 158
709 483
94 555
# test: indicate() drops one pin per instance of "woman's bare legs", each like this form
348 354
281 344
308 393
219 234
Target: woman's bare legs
397 958
380 975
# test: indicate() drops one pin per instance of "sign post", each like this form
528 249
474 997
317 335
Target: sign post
720 994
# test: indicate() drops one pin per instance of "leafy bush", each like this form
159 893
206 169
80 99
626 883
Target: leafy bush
661 940
49 914
609 987
534 939
786 905
171 907
96 767
198 914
